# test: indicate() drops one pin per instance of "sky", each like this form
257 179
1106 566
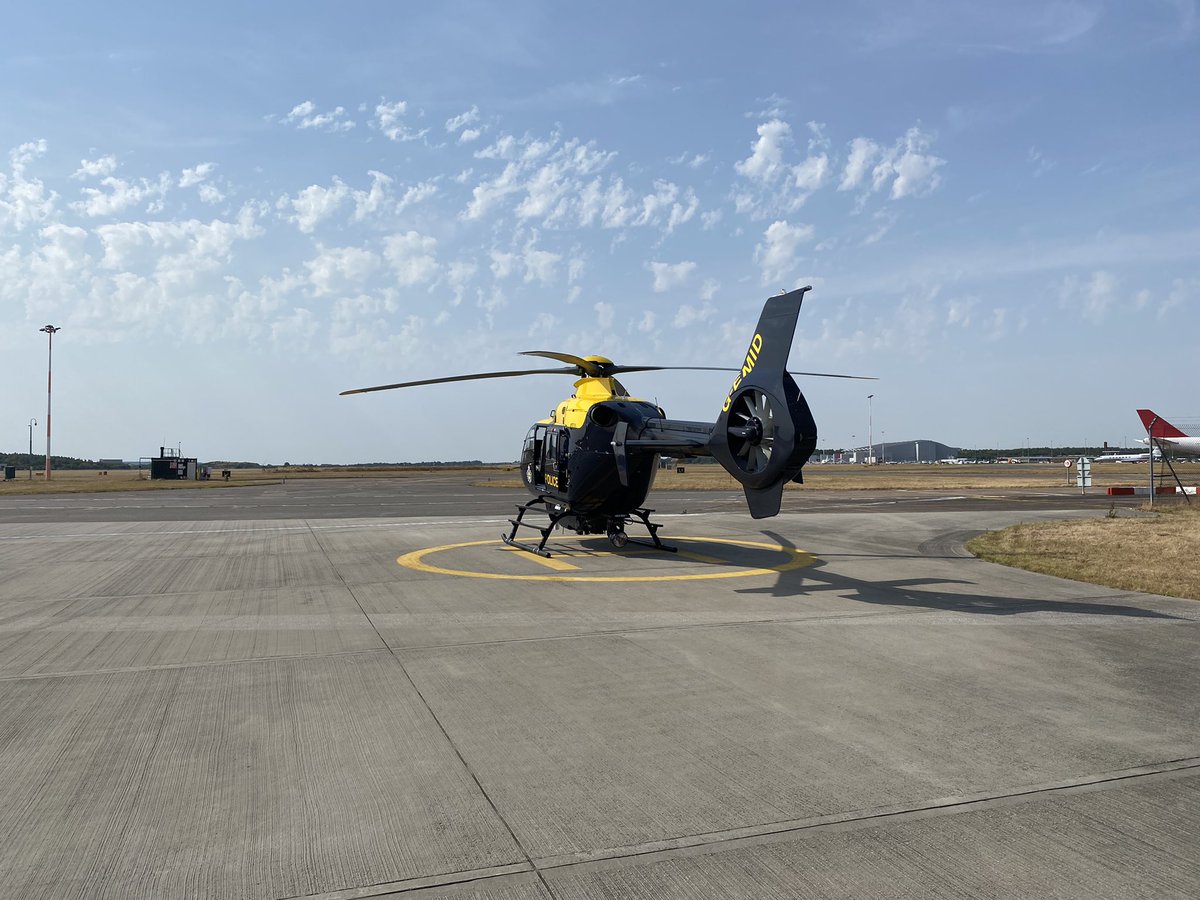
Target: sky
235 211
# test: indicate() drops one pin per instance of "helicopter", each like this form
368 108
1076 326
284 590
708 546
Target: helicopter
590 465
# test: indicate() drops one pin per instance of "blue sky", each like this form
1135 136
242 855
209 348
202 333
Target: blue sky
235 213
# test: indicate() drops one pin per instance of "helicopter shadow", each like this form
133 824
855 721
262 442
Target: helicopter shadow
912 593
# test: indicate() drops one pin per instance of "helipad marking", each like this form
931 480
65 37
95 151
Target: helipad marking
550 562
796 559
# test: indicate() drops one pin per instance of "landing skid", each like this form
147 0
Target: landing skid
616 528
618 538
518 522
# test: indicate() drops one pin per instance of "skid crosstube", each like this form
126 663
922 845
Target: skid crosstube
518 522
616 528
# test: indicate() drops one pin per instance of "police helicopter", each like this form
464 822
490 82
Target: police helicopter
590 465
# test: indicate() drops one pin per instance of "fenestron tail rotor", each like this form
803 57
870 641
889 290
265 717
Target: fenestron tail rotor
751 430
765 432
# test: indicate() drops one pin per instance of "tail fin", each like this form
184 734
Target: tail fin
1158 426
766 433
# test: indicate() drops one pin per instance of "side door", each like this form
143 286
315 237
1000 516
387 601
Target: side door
531 456
554 457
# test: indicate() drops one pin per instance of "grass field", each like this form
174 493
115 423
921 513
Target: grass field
1153 553
694 478
86 481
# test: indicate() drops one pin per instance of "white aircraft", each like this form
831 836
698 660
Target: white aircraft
1127 457
1164 432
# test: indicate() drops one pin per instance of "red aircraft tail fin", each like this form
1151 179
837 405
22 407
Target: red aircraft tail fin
1158 426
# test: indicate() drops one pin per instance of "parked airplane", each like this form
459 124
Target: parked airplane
1127 457
1165 433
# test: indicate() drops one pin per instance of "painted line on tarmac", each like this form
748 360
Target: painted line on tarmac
271 528
796 559
391 523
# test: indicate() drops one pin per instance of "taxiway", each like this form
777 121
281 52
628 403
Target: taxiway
353 689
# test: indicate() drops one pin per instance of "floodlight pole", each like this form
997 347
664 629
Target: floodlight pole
32 422
49 329
870 431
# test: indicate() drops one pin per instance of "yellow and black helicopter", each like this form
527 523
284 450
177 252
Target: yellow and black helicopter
590 465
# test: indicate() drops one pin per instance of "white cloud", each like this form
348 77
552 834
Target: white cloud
912 171
605 312
305 115
369 202
997 325
389 118
691 160
916 171
863 152
412 256
543 323
210 193
24 201
1092 298
540 265
295 330
907 166
468 135
776 255
959 312
181 243
561 184
765 162
488 194
811 174
121 194
647 323
469 117
95 168
24 154
193 176
417 193
503 264
340 268
689 315
670 275
314 204
459 273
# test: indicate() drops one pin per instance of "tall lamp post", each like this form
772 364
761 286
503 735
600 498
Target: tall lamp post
870 432
49 329
32 422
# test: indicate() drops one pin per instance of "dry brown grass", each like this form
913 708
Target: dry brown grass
89 481
1154 553
85 481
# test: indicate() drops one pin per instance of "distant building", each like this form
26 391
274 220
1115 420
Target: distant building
909 451
169 464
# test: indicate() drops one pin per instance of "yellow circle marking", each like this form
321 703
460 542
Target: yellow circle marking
797 559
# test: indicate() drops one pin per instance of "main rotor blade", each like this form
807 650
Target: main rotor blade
586 366
481 375
618 369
